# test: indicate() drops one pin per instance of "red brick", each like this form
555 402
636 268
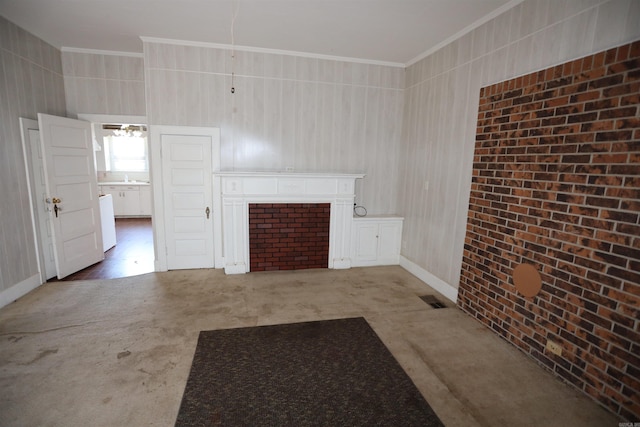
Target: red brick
632 99
287 248
628 123
596 126
563 193
623 89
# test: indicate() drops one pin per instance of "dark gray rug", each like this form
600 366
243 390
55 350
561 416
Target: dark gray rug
327 373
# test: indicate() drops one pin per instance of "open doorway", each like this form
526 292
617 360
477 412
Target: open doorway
132 255
124 185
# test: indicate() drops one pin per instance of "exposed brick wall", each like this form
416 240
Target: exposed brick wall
556 184
289 236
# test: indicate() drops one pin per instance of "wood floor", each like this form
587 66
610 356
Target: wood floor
132 254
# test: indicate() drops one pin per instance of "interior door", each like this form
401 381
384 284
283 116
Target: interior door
188 199
34 163
72 193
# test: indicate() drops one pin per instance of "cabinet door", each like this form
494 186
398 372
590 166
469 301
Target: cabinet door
131 200
145 201
366 243
118 201
389 236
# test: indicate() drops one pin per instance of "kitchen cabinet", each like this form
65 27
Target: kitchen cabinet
145 200
376 240
129 200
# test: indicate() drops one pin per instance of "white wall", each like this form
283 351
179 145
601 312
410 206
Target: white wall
30 83
287 111
441 104
97 83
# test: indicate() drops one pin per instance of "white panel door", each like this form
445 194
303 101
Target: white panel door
188 200
72 191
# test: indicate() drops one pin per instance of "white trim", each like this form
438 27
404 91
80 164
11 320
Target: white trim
100 52
239 189
25 126
108 118
465 30
239 268
19 289
272 51
439 285
139 120
343 264
155 175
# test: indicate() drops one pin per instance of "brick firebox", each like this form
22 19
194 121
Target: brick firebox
556 184
288 236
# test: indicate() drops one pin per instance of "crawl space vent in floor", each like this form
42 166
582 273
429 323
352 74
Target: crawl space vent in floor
433 301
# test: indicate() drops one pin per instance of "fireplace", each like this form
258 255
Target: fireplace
239 190
288 236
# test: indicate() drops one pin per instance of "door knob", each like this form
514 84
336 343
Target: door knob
207 211
55 200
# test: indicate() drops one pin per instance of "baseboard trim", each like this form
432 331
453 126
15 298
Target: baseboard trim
239 268
341 263
19 289
439 285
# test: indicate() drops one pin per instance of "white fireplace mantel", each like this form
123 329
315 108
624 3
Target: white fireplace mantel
239 188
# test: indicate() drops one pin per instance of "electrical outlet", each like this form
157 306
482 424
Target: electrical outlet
554 348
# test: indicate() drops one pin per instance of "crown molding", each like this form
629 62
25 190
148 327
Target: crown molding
101 52
271 51
465 30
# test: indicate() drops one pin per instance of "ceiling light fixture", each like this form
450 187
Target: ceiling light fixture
128 131
233 44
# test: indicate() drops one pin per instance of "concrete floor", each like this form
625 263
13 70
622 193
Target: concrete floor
117 352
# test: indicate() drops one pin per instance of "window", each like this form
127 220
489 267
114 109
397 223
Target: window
126 151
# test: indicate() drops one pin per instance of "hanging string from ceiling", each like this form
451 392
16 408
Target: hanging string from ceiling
236 8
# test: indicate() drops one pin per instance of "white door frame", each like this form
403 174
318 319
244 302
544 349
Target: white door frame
38 216
110 118
155 145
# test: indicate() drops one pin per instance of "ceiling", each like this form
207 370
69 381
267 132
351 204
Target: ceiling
384 31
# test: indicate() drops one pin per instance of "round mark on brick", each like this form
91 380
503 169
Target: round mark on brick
527 280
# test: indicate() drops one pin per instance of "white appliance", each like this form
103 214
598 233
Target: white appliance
108 222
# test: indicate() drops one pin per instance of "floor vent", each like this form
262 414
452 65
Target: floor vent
433 301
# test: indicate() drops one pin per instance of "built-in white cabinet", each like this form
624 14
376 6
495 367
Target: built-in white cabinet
129 200
376 240
145 200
